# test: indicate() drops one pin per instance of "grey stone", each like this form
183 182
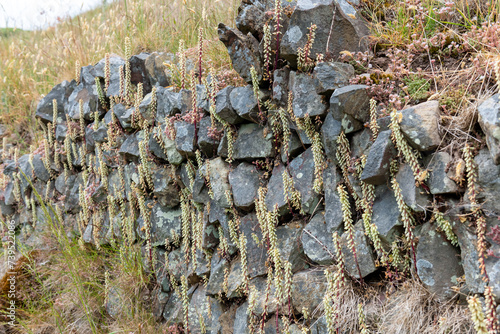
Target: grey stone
217 310
130 147
165 223
467 241
60 93
114 70
386 216
364 253
420 125
200 189
414 197
185 137
333 212
440 181
438 264
207 143
61 131
253 14
319 326
89 138
329 76
241 320
101 134
256 253
138 72
281 78
243 51
295 147
216 280
210 237
488 180
173 155
124 115
157 72
351 100
235 280
99 194
165 187
317 239
160 298
202 102
489 119
223 106
347 32
88 95
177 264
71 202
308 290
198 309
114 302
155 145
330 131
219 216
218 174
39 169
260 286
305 100
253 142
275 191
245 182
302 172
173 312
378 161
290 245
244 103
168 103
146 109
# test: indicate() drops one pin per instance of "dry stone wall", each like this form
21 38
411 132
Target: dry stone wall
227 189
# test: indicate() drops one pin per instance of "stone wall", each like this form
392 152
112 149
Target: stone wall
224 187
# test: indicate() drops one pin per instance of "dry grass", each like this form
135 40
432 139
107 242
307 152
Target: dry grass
405 309
31 63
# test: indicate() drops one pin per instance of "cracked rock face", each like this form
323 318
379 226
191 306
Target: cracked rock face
243 51
420 125
347 33
489 119
438 264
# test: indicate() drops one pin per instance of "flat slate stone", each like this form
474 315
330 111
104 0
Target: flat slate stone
329 76
244 103
256 253
347 32
317 240
223 106
253 143
185 137
386 216
330 131
275 191
305 100
364 253
420 125
438 263
308 289
302 172
378 161
245 182
415 197
243 51
489 119
439 178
